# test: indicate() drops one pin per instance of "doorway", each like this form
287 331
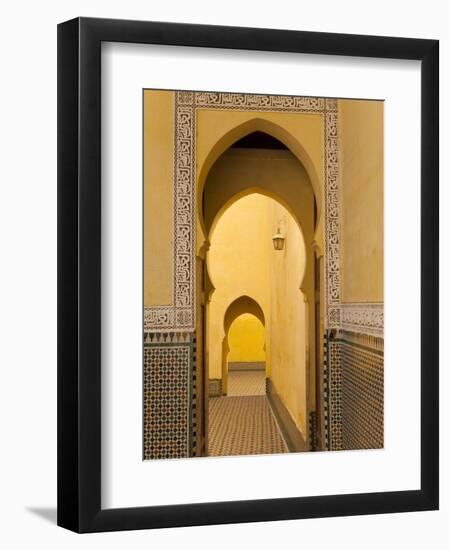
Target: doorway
259 219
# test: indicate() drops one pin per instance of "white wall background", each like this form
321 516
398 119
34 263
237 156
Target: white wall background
28 274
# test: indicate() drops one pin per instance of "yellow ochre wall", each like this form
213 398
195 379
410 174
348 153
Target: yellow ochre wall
289 333
361 198
158 197
238 265
246 340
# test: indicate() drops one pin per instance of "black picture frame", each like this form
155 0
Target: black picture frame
79 274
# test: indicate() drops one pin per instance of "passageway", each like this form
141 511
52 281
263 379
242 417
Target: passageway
242 423
259 215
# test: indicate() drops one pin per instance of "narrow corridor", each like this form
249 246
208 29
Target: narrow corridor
243 423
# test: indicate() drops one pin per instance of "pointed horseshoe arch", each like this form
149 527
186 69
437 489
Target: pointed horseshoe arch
257 124
241 305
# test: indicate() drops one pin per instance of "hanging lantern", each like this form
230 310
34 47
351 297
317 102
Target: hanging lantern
278 240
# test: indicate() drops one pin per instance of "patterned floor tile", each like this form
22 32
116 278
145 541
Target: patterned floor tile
246 383
243 425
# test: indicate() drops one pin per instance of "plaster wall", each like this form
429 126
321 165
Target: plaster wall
289 331
158 197
361 200
238 265
246 340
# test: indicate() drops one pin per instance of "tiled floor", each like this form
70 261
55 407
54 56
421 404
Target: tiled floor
243 423
246 382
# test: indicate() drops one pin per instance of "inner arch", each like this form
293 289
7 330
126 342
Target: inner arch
239 306
262 132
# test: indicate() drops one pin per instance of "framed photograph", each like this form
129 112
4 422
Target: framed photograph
248 275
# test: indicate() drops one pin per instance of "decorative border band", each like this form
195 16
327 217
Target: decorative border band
181 315
363 318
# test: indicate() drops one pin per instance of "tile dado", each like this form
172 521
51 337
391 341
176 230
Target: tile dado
169 395
354 391
334 396
362 398
313 431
